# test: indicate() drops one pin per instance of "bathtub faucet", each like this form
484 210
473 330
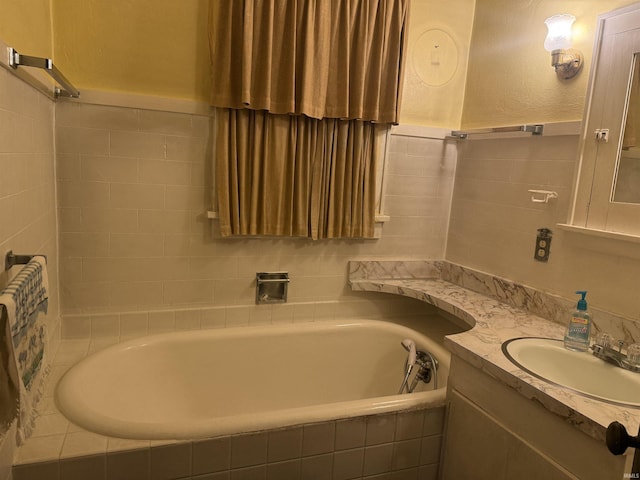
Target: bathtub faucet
410 346
427 367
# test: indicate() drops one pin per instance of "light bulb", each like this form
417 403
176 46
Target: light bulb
559 32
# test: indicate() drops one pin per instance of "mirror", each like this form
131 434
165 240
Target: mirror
626 187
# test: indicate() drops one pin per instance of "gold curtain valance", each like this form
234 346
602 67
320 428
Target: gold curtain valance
321 58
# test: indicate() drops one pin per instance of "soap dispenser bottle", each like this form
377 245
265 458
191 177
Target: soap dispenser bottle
577 334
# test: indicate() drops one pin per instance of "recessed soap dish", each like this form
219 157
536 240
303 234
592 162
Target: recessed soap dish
271 287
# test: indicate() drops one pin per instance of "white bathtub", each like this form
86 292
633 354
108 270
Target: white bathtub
206 383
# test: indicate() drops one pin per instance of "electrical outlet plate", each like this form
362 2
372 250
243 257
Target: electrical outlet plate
543 245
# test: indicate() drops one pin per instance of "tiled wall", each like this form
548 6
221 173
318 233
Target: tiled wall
27 195
134 186
493 223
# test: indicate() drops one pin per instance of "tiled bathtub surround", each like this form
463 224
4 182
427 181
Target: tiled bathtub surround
134 186
126 325
494 322
406 445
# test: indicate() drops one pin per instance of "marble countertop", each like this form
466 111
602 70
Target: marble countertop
492 322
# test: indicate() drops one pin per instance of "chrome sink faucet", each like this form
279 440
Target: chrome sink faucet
603 349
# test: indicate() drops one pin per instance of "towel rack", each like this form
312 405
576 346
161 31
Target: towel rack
535 129
17 60
12 259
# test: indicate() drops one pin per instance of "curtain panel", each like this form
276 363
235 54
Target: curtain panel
321 58
302 89
290 175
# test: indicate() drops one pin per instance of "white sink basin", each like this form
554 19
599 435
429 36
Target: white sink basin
548 360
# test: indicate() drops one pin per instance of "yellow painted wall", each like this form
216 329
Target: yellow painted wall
26 26
150 47
499 76
435 74
510 79
160 47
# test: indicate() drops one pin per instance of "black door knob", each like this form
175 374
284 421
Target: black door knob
618 439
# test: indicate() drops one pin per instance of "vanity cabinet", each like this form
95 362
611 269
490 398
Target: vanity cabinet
495 433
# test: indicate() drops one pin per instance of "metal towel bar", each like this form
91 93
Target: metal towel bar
68 90
12 259
536 129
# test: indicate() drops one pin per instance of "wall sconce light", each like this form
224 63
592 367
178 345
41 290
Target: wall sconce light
566 61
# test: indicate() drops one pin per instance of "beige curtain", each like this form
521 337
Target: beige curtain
301 88
295 176
344 180
320 58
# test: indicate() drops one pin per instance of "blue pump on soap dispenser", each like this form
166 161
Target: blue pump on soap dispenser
576 337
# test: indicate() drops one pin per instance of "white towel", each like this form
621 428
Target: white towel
25 300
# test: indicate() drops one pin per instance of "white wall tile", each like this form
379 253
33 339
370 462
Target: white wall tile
136 144
430 449
433 421
37 471
318 466
284 444
348 464
409 425
27 215
40 449
406 454
79 468
213 318
161 321
128 465
164 172
289 469
211 455
380 429
82 140
134 324
187 319
318 438
156 167
170 461
165 122
248 450
377 459
83 443
132 195
105 168
350 433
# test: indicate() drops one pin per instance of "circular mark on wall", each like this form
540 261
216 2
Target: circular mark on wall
516 4
435 57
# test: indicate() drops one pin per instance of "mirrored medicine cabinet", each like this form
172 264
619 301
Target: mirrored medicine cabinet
607 194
